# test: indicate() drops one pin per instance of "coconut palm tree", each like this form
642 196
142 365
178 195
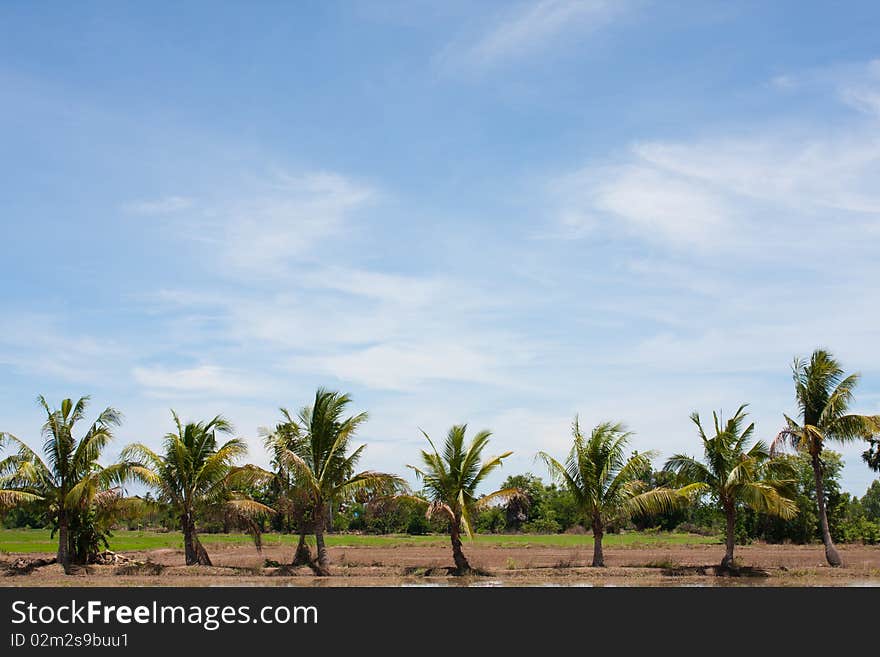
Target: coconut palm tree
70 480
293 496
824 395
735 474
194 471
606 485
319 459
451 481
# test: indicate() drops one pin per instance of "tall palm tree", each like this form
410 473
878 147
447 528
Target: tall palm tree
735 474
451 480
195 471
824 395
605 484
70 479
320 461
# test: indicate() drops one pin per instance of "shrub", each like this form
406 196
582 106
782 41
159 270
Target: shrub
542 526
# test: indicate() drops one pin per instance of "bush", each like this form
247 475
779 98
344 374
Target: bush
491 521
418 525
858 530
542 526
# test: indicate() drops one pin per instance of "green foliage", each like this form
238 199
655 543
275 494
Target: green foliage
451 479
26 514
732 473
197 477
492 520
871 501
542 526
312 458
804 526
604 484
69 486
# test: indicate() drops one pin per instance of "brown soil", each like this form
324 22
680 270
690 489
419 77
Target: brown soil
678 565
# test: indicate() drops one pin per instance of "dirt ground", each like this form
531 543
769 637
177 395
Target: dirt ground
674 565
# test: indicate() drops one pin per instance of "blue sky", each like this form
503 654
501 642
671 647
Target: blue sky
494 213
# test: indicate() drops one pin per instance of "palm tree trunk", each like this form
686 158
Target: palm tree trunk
598 533
730 513
461 563
831 554
303 555
323 557
63 555
193 550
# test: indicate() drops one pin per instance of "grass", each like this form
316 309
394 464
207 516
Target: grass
39 540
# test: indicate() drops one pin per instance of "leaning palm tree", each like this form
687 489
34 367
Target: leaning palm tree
451 481
319 460
605 484
823 395
735 474
194 471
70 481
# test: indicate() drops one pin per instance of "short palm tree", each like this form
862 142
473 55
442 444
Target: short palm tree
320 461
824 395
735 474
451 481
70 480
607 485
194 471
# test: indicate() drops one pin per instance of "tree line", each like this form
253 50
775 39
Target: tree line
783 490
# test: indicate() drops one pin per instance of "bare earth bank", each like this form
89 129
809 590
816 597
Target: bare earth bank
673 565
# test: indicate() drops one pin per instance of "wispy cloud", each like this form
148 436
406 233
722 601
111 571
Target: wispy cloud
373 329
721 191
201 380
264 226
530 28
863 92
159 206
38 345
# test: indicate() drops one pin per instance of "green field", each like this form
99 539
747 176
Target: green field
38 540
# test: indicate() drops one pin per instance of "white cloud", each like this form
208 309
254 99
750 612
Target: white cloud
199 380
36 345
719 192
160 206
531 27
406 366
262 229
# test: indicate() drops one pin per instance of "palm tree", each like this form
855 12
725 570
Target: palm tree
70 480
451 480
823 395
292 496
194 472
606 485
734 474
319 459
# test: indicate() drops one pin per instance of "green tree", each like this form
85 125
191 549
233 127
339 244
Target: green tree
320 461
871 456
735 474
605 483
69 482
519 508
871 501
194 471
451 480
824 395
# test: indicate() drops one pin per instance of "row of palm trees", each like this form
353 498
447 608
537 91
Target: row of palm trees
314 470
